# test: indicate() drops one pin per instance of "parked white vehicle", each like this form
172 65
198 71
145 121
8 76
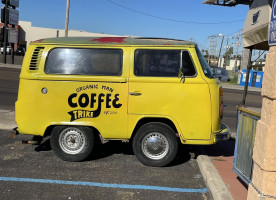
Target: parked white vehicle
8 50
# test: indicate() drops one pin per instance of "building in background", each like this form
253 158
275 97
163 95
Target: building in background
28 33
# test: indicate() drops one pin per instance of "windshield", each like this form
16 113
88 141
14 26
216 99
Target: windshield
204 65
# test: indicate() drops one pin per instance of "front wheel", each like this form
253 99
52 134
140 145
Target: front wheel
155 144
72 143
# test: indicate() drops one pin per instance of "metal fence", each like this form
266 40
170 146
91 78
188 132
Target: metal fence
246 130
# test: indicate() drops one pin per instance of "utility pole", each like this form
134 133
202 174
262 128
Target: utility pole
4 59
209 55
220 51
227 48
259 57
67 18
237 50
10 18
212 48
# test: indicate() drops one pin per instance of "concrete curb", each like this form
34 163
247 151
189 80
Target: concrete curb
238 87
7 119
214 181
10 66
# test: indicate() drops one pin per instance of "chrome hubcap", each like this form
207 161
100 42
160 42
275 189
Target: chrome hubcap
72 140
155 146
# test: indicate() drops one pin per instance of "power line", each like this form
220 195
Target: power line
225 35
200 44
204 41
172 20
238 31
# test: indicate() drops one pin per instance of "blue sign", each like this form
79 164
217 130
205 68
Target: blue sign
272 30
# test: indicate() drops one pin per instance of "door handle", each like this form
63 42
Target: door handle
135 93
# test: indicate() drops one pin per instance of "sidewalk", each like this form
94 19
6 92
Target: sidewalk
10 66
222 157
238 87
7 119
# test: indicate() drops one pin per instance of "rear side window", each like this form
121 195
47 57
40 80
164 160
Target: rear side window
157 63
102 62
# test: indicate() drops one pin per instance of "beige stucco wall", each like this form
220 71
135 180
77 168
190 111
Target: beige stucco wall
31 33
263 184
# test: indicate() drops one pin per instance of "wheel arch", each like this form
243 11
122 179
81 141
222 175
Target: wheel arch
147 120
49 129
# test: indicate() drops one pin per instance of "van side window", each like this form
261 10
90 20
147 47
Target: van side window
157 63
101 62
187 64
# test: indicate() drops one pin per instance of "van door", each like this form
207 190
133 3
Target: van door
87 87
156 91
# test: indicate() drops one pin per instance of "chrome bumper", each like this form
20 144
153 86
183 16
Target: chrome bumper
223 134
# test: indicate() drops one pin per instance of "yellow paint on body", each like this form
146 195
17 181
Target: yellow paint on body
192 106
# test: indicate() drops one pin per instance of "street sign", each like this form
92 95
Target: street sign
13 16
3 14
13 35
1 33
14 3
272 30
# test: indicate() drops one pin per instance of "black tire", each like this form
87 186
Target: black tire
72 144
155 144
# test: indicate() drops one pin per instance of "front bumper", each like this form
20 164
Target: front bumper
223 134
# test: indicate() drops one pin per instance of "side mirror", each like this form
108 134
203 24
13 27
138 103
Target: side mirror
181 75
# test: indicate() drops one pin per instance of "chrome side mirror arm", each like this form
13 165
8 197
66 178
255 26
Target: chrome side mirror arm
181 75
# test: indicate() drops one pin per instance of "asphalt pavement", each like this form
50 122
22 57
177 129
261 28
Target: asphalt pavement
34 172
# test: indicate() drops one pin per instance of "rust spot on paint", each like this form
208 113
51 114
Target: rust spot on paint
110 40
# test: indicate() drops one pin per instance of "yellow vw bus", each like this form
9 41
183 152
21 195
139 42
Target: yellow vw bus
151 92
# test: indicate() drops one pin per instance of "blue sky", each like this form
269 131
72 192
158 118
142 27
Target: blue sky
104 16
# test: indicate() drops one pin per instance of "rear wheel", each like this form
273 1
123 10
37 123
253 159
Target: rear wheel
155 144
72 143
